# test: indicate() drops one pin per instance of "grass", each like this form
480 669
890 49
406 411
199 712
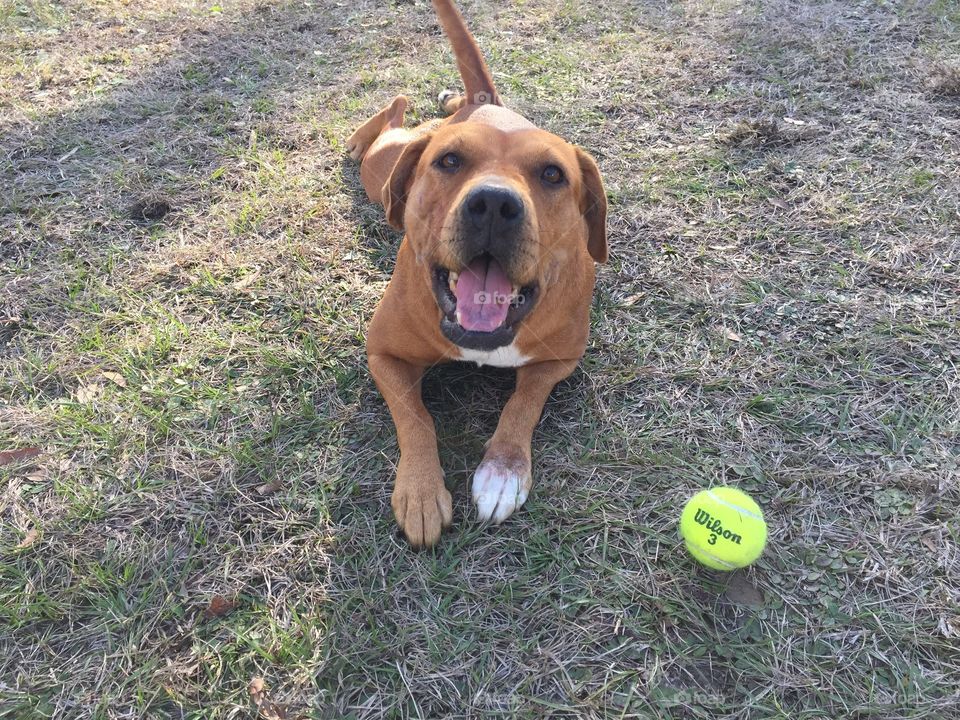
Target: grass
188 265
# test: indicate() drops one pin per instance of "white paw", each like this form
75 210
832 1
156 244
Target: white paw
500 486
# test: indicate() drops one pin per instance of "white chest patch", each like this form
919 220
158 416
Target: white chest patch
503 357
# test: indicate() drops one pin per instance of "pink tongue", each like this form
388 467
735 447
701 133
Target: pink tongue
483 296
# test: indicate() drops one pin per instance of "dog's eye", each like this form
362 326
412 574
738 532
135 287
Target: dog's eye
450 161
552 175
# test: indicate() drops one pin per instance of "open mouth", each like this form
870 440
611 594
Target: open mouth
481 306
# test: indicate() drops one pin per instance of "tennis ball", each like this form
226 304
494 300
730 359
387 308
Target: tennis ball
723 528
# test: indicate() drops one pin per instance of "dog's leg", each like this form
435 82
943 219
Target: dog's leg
390 118
503 480
380 141
421 502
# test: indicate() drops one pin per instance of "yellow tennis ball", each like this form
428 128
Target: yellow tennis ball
723 528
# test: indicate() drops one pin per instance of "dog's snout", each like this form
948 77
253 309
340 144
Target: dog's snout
494 219
494 208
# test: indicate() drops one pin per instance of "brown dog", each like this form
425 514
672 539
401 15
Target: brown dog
503 224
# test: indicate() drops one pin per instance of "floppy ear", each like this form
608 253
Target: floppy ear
593 205
398 184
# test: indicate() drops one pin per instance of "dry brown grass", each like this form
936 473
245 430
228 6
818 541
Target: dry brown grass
187 268
944 79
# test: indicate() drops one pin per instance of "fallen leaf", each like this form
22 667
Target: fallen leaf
270 710
778 203
950 627
269 488
219 606
267 709
29 539
731 335
116 378
9 456
86 393
247 280
631 301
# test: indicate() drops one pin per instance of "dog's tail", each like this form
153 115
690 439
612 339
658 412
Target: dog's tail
477 81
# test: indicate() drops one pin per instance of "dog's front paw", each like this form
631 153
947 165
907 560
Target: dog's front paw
502 482
422 506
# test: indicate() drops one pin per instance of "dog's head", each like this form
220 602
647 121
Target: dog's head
495 217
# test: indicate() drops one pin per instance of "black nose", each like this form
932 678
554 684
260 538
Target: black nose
493 207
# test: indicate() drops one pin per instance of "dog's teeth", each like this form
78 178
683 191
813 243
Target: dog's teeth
458 318
453 281
516 291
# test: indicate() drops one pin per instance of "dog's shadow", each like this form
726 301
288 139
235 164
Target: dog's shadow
377 240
